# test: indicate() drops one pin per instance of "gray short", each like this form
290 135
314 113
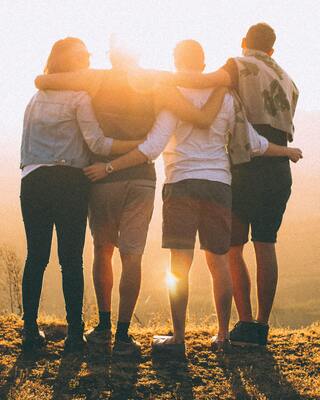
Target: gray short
120 213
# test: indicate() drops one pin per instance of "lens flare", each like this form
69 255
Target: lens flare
171 281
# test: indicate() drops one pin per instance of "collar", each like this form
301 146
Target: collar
252 52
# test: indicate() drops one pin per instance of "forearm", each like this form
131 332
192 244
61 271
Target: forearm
294 154
134 157
123 146
196 79
275 150
171 99
86 80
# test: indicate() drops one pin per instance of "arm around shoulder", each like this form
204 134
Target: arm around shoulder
88 80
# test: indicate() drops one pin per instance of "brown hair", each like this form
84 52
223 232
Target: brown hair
260 37
190 54
69 54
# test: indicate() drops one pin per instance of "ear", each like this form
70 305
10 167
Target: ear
270 52
244 43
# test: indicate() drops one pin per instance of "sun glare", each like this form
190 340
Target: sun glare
171 281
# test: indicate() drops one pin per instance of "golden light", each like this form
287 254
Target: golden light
171 281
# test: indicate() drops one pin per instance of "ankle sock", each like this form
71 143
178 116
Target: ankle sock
122 330
31 326
104 320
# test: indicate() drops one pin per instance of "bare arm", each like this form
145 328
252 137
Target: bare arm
171 99
88 80
198 80
274 150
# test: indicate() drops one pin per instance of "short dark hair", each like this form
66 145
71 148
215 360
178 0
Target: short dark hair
189 53
67 55
260 37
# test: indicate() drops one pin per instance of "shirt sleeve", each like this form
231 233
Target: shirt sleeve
231 68
258 143
159 135
90 129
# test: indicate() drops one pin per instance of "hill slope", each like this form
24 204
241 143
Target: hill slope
288 369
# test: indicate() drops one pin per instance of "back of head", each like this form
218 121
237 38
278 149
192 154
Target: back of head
189 55
67 55
260 37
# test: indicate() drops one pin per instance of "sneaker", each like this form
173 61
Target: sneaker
263 331
126 346
75 341
33 338
98 336
164 344
220 346
249 334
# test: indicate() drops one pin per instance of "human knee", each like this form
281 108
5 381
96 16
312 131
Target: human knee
36 262
131 261
235 254
103 252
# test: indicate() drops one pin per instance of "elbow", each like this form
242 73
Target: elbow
37 83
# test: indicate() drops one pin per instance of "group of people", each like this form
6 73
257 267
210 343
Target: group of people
223 136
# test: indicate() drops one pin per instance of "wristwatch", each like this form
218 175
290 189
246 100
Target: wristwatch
109 168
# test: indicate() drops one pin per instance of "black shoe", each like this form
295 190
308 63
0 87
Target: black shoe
99 336
126 346
32 338
263 331
249 334
75 342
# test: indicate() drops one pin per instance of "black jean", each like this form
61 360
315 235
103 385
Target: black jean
54 196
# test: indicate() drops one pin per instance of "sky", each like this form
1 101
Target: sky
28 29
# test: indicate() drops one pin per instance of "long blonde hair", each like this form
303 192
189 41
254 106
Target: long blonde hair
69 54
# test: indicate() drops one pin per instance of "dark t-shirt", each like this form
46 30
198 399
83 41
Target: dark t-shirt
123 114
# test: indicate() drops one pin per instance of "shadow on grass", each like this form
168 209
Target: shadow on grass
256 368
66 380
124 376
21 371
174 375
108 376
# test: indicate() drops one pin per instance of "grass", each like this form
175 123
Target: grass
288 369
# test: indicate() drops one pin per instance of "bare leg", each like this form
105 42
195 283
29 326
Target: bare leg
267 278
222 290
129 285
181 261
241 283
103 276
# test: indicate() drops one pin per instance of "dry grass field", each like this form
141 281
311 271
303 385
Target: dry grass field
288 369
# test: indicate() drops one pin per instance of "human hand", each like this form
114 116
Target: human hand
95 171
294 154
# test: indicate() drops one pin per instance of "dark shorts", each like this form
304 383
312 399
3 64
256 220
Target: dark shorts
197 205
260 192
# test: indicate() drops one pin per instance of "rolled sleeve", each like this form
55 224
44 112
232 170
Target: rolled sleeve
159 135
258 143
90 129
